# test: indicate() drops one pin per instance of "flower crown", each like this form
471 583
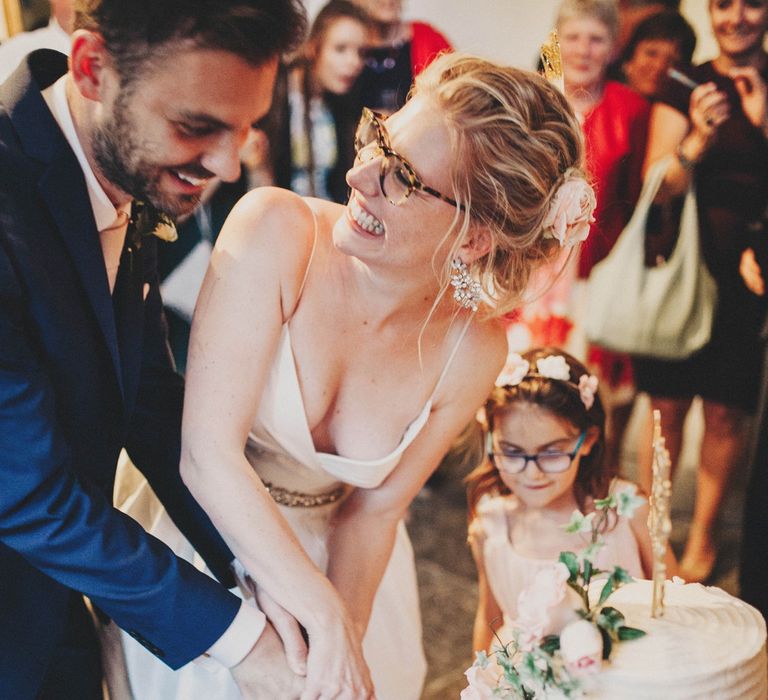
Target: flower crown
571 210
551 367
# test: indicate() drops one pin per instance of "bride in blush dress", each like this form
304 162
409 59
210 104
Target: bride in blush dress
337 351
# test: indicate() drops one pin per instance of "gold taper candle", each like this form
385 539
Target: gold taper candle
659 521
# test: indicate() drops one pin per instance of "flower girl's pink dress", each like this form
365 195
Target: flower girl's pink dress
509 572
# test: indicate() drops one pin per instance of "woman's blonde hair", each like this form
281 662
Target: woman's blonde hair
604 11
515 139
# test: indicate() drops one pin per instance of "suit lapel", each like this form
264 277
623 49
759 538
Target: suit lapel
62 184
71 210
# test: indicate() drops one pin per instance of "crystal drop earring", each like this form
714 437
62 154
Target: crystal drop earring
467 291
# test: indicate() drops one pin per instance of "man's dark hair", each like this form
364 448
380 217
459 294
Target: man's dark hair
667 26
254 30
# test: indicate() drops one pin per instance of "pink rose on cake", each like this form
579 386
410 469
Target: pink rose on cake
581 646
546 606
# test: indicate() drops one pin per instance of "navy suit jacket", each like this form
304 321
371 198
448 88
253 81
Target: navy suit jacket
83 374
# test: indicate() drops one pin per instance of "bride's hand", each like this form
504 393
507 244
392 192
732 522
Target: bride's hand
287 628
336 668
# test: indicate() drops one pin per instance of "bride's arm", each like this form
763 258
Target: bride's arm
252 281
365 527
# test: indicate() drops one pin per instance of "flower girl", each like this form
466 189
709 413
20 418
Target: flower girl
544 439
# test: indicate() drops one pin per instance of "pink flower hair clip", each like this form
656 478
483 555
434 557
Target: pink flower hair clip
587 389
570 213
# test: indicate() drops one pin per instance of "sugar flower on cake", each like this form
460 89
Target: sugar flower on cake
514 370
581 646
580 522
628 501
553 367
483 678
546 606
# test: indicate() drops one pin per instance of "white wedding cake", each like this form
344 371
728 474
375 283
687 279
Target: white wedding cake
707 645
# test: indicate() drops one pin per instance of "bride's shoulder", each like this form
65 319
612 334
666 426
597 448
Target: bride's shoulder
274 227
483 350
268 215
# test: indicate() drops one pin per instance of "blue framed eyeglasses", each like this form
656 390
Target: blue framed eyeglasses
513 461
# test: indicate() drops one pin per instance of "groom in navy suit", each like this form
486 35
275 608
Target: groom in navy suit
157 99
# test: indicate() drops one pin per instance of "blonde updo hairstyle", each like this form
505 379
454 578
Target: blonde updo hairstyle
515 140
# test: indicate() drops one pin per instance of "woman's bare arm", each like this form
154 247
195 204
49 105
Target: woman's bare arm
686 136
251 284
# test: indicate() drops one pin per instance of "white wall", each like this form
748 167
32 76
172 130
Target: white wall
511 31
695 12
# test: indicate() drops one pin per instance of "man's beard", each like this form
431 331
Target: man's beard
118 153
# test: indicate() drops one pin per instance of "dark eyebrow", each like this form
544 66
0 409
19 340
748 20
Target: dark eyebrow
213 123
200 118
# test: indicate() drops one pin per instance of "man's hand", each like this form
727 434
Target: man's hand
264 673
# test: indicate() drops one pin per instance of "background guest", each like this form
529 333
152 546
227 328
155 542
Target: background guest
398 52
310 127
633 12
615 122
55 35
718 132
662 41
753 569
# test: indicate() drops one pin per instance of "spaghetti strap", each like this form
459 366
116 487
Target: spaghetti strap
311 253
454 350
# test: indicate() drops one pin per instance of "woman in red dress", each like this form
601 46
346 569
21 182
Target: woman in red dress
615 122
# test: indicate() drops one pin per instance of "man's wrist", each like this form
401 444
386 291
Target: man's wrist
240 637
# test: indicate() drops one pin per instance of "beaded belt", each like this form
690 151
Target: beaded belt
296 499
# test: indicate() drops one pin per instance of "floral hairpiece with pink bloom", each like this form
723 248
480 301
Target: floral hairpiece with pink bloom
571 211
552 367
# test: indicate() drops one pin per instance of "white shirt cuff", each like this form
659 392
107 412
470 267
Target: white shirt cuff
238 639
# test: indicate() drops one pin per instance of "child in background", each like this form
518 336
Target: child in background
544 441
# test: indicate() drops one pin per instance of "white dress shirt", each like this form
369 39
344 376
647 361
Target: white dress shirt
112 222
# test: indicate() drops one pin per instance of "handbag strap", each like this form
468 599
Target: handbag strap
688 244
631 240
